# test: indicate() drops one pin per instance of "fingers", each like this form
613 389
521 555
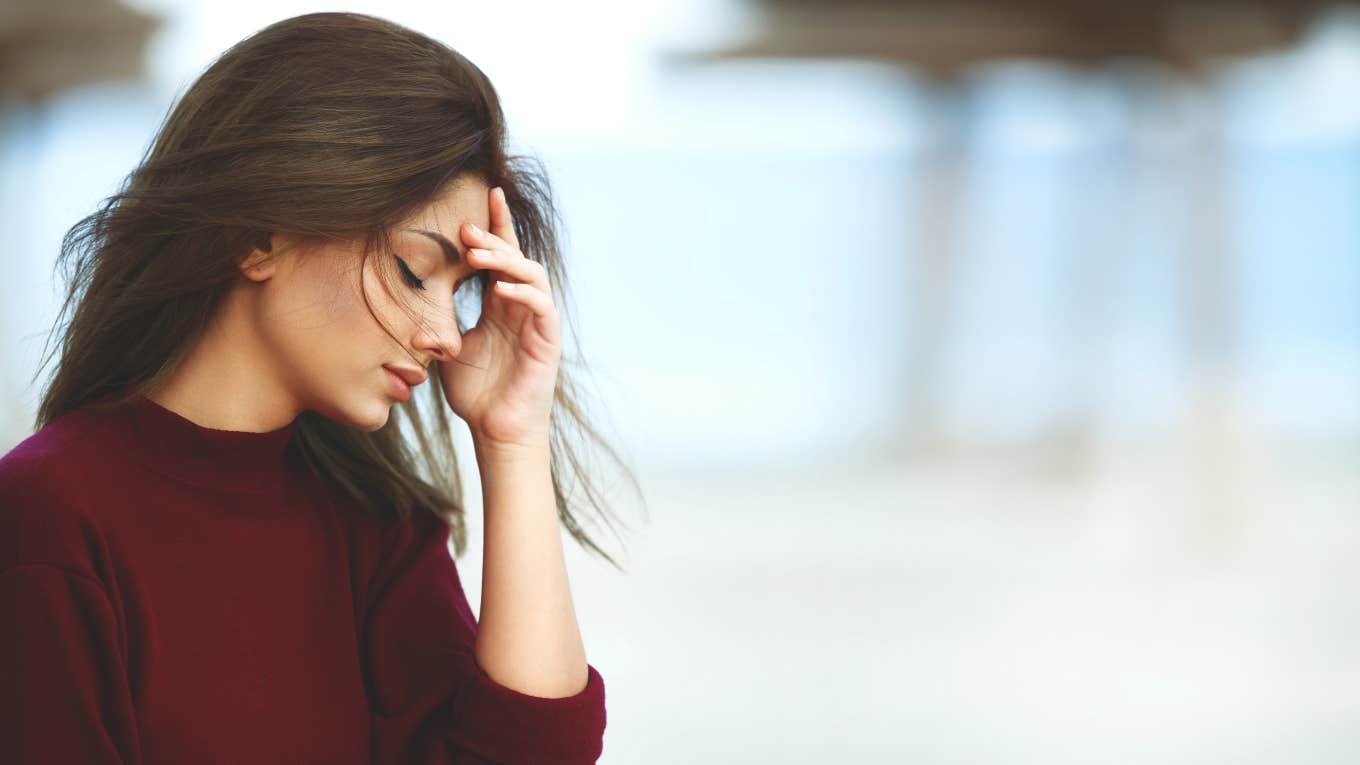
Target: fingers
536 300
486 241
502 233
498 250
475 237
515 266
502 225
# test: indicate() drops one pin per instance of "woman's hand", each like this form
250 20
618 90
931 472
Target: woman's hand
503 381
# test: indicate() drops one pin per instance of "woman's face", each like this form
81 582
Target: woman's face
317 331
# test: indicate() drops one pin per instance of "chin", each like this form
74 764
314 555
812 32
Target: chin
378 424
377 417
368 415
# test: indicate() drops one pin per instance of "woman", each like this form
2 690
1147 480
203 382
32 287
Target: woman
218 546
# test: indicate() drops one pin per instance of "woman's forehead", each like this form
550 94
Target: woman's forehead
465 202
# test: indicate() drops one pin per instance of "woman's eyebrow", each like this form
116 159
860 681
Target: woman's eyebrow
450 252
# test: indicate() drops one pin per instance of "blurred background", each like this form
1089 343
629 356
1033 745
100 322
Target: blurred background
992 370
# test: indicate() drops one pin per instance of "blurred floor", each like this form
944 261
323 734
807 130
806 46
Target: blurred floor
971 614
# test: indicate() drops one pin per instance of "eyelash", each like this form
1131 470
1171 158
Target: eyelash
418 283
410 277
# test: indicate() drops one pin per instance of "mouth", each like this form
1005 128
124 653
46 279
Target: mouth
396 386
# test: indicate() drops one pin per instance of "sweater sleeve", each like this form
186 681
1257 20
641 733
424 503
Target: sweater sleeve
65 694
432 703
64 689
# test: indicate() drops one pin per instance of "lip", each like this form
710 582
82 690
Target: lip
398 387
411 377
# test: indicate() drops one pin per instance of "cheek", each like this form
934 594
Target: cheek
381 310
337 307
323 327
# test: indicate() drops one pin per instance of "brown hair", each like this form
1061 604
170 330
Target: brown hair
329 126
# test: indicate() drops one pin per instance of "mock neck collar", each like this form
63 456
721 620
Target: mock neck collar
228 460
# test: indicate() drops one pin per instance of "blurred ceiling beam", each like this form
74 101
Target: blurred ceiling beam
47 46
944 37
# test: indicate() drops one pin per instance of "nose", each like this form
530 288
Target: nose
439 339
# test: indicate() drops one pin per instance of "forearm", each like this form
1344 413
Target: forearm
527 635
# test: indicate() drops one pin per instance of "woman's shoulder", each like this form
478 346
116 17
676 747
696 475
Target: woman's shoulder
45 496
55 454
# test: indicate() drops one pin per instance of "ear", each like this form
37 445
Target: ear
259 264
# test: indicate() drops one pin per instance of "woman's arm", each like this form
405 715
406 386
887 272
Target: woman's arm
66 696
527 636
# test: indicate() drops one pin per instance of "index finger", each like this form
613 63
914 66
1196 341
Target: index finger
502 225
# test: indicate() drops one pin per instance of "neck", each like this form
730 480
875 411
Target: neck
226 382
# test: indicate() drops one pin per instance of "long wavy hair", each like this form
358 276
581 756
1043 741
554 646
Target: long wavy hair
331 127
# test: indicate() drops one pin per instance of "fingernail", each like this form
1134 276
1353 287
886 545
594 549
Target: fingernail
474 228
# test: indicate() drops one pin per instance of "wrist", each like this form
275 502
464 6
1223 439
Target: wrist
498 449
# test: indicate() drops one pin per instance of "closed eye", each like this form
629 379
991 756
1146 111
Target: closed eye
419 283
410 277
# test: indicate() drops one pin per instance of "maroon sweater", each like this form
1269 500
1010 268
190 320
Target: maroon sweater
171 593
